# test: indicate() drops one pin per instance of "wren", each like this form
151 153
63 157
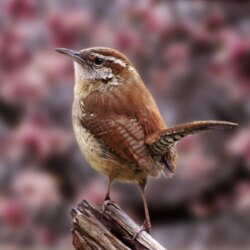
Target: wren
117 123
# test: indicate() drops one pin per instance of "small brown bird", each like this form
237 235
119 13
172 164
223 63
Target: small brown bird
117 124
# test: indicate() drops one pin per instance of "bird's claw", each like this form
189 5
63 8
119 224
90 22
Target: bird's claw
105 206
146 226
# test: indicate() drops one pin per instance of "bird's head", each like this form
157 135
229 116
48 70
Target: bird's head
100 68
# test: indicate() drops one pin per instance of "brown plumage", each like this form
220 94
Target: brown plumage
114 118
117 124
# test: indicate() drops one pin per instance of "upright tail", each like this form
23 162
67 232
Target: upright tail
160 141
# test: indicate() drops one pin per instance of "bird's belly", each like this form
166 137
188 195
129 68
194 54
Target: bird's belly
101 159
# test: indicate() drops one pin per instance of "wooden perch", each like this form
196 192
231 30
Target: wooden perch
108 229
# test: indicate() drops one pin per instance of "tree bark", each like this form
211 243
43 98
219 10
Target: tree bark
108 228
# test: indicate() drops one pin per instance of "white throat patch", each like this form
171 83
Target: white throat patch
85 74
83 79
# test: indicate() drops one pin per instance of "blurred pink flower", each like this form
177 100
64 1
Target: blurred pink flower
36 136
239 145
125 40
21 9
37 189
95 191
12 212
177 54
62 68
194 162
242 197
45 236
215 20
66 28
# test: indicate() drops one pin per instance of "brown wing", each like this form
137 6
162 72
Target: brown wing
124 137
122 118
133 102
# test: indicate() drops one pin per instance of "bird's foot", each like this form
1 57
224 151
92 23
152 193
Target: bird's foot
107 198
146 226
105 204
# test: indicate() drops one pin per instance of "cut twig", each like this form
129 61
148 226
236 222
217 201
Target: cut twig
108 228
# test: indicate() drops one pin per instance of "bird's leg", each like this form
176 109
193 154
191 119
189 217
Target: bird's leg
107 196
146 226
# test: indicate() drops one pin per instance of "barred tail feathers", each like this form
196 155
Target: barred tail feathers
160 141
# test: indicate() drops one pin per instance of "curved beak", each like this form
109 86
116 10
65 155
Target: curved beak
75 55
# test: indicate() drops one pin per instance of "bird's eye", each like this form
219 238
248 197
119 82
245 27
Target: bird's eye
98 61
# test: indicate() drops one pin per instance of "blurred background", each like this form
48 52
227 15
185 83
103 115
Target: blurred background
194 56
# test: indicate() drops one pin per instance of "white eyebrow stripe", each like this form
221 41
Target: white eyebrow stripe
111 58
